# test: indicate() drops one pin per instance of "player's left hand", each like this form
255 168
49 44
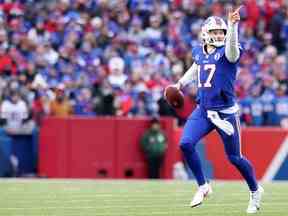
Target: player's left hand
234 15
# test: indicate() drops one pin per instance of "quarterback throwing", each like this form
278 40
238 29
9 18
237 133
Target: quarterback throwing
214 70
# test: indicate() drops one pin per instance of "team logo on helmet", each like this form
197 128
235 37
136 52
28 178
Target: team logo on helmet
218 21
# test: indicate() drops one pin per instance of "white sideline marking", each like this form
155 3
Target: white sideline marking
276 162
122 207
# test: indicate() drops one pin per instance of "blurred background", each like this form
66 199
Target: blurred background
80 81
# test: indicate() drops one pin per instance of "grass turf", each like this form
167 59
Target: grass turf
24 197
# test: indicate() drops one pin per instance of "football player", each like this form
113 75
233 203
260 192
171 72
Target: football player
215 71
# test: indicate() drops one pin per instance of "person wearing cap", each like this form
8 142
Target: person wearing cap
154 145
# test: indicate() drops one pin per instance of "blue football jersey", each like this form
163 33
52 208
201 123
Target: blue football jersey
281 108
257 110
216 77
268 100
254 108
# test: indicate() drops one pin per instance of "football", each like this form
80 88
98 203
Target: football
174 97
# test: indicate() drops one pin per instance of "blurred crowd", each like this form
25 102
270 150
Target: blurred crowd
114 57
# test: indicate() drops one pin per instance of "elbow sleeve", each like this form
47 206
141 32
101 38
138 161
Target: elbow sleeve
232 51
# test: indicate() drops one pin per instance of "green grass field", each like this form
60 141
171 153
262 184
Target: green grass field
131 198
